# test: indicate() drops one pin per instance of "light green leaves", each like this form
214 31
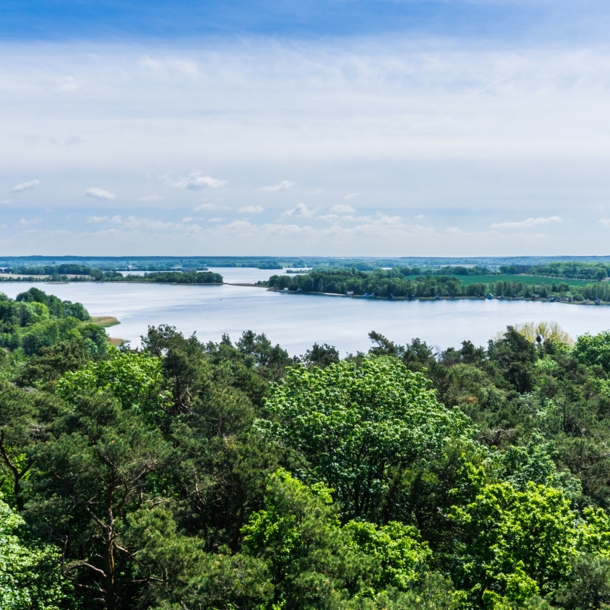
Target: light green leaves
353 424
133 378
29 576
516 544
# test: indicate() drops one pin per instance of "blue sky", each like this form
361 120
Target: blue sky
339 128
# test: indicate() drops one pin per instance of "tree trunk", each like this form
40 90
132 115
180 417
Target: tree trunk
109 570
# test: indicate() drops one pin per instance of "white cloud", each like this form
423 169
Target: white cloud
282 186
328 217
25 186
98 219
24 222
149 198
420 217
187 219
605 222
342 208
251 209
196 181
216 219
134 223
300 210
6 202
97 193
351 196
209 206
527 223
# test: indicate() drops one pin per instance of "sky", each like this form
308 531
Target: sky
342 128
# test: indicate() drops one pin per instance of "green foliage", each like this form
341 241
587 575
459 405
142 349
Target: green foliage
35 320
314 562
594 350
516 544
232 475
175 277
98 458
30 575
396 548
134 379
353 424
446 282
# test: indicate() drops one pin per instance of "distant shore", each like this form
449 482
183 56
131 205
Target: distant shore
439 298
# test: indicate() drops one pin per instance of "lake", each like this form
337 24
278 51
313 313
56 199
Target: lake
298 321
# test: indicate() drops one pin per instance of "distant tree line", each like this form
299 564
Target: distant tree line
393 283
175 277
567 270
63 269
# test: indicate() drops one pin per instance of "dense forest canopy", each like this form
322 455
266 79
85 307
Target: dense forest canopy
190 475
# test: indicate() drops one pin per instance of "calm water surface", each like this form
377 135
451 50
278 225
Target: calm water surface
298 321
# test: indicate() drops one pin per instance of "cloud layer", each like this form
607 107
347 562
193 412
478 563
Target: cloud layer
487 149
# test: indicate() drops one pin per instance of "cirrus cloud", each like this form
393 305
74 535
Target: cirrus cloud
527 223
284 185
25 186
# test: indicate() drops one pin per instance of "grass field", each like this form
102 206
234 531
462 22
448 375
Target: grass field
526 279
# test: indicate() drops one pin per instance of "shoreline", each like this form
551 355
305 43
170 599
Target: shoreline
456 298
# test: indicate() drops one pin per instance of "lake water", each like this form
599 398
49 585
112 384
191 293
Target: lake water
298 321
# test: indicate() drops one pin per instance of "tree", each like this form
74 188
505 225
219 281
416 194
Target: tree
353 424
179 574
321 355
514 357
515 544
94 471
314 562
18 429
29 574
135 379
594 350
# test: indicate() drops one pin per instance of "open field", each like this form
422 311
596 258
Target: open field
525 279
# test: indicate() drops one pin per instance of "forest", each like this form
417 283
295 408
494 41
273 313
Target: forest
231 475
404 283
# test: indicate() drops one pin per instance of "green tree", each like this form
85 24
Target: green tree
94 469
30 575
354 424
515 544
314 562
135 379
594 350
